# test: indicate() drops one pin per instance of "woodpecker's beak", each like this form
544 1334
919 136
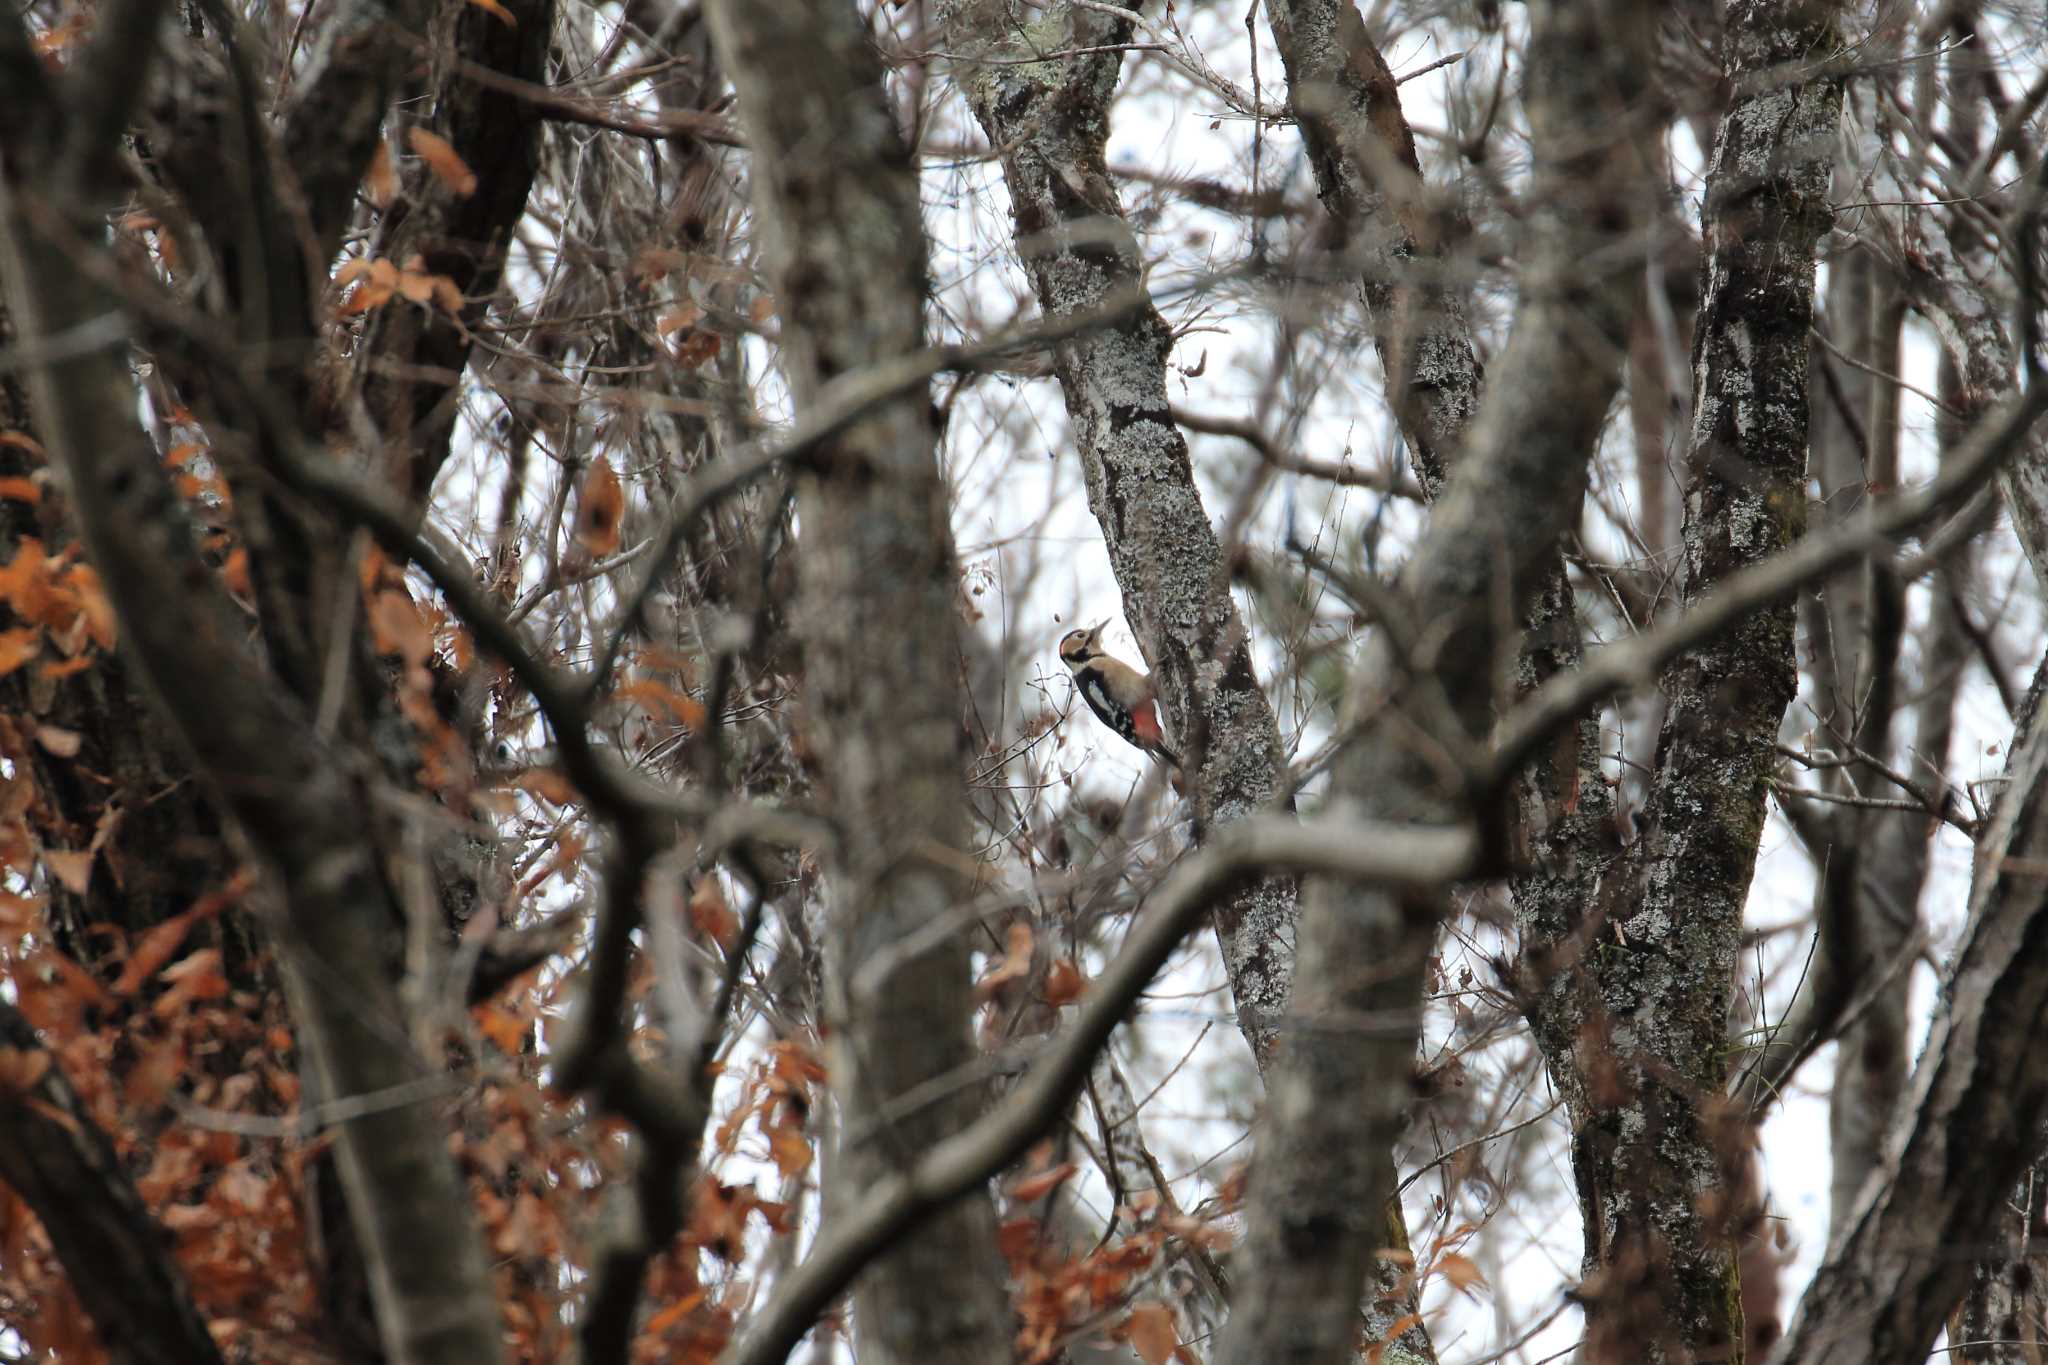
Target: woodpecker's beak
1095 635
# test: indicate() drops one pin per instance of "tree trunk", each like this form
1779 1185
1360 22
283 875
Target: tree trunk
881 652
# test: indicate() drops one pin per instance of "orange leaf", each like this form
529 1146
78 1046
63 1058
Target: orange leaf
84 582
1460 1271
1017 1239
415 286
696 347
398 628
677 318
792 1154
502 1027
380 182
155 949
64 668
73 869
1151 1333
22 1069
1064 983
710 915
21 490
1016 962
443 160
496 11
600 508
1044 1183
685 711
156 946
234 571
17 647
680 1309
548 784
446 294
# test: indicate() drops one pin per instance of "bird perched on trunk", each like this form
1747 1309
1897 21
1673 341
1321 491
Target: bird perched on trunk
1120 696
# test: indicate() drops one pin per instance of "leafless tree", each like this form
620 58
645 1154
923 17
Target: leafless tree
540 816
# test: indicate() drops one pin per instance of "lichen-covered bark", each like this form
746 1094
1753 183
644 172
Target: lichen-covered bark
1655 1153
835 193
1363 155
1337 1095
2003 1318
1050 121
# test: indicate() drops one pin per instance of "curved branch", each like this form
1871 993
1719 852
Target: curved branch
1388 854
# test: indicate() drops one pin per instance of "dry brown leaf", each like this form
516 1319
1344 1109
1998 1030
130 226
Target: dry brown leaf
443 160
1376 1353
1038 1186
677 318
548 784
653 696
17 647
791 1152
415 286
710 915
1016 962
1151 1333
600 510
696 347
73 869
22 1069
446 295
62 743
651 263
1064 983
1461 1272
21 490
380 182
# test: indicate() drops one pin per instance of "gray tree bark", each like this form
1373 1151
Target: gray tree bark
1338 1095
1050 122
1657 1159
293 802
1902 1262
835 193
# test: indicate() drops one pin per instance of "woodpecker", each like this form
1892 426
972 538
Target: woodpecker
1120 696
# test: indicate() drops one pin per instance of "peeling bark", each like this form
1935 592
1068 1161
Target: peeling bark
835 192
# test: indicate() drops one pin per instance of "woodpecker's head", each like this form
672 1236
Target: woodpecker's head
1079 647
